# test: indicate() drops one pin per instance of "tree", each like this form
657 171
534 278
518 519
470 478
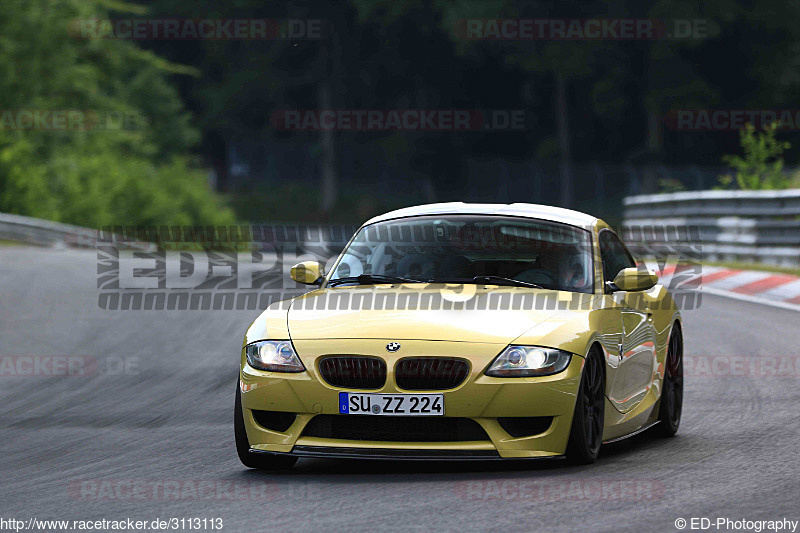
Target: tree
762 164
129 162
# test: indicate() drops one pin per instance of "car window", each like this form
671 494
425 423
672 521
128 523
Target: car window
614 254
458 248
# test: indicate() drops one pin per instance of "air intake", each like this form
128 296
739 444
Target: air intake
395 428
430 373
351 372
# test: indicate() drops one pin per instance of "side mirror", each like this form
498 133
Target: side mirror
307 272
633 279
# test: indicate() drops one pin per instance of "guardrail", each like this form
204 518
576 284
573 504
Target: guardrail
326 240
51 234
45 232
746 226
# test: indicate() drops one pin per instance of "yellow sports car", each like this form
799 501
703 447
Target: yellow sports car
463 331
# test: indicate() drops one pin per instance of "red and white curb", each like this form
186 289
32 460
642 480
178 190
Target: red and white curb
769 288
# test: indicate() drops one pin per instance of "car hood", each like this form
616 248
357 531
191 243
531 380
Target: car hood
485 314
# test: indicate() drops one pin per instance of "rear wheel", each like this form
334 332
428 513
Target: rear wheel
671 403
586 434
264 461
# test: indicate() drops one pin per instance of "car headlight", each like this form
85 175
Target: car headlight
526 361
275 356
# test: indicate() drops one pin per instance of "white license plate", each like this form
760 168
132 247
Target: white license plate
391 404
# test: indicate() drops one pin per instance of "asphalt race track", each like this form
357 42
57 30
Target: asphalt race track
149 433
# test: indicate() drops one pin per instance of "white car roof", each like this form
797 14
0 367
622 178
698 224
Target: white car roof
541 212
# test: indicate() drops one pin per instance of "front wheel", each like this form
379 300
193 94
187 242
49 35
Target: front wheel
586 434
671 403
264 461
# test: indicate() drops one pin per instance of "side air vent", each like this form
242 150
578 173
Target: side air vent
274 420
525 426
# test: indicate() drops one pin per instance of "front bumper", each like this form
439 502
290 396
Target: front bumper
341 452
480 398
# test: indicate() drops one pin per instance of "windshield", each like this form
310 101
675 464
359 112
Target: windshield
470 249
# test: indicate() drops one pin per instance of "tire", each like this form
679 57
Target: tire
671 403
586 435
263 461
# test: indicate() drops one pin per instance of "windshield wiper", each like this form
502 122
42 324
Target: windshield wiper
372 279
500 280
489 280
